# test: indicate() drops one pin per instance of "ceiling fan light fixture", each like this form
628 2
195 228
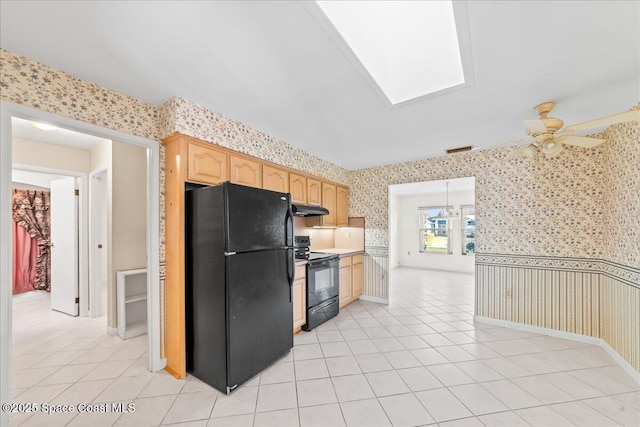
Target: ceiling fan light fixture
529 151
551 149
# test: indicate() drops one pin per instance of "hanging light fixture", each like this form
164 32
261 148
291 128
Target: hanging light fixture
448 212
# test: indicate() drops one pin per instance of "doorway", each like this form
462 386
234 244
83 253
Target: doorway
62 232
9 110
432 226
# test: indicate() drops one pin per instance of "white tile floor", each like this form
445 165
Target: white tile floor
419 361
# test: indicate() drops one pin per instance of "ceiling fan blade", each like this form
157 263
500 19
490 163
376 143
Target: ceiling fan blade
580 141
627 116
534 126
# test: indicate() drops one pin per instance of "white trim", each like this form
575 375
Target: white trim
112 332
153 255
538 330
621 361
6 264
8 110
83 236
374 299
565 335
95 303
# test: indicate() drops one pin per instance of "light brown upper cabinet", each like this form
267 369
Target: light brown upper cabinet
245 171
298 188
329 202
206 165
314 192
275 179
342 206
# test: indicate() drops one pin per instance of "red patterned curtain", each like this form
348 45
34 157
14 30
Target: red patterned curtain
25 252
31 211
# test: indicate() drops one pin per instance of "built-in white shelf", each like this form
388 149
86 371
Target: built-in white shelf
132 302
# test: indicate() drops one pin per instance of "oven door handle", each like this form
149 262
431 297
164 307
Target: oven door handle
324 305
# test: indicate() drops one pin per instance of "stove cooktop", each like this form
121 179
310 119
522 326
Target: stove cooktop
317 256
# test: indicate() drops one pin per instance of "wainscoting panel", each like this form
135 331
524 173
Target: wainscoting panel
376 272
596 298
620 318
557 299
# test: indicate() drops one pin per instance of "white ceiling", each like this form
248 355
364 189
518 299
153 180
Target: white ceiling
276 67
21 129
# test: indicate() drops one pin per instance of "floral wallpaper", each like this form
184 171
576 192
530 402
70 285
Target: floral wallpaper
183 116
39 86
621 204
532 206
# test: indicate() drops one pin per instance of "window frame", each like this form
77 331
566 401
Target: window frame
464 228
422 229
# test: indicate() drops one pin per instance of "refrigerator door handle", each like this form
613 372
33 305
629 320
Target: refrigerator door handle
288 228
290 272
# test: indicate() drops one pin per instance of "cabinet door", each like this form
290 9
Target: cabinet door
275 179
206 165
342 206
314 192
299 297
298 188
245 171
329 202
299 303
345 281
357 279
345 285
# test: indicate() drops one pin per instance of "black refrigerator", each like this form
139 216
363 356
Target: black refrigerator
239 271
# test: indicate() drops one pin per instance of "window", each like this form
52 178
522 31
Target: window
468 214
410 48
435 235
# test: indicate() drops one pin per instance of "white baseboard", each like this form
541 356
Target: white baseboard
538 330
374 299
112 331
621 361
566 335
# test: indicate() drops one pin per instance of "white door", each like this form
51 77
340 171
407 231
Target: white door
64 249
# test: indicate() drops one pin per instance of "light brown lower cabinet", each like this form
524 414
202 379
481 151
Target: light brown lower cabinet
351 278
345 281
299 298
357 276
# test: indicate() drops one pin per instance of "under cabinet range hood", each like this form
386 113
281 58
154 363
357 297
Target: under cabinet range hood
308 210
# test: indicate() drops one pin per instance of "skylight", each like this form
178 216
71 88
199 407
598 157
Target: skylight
410 48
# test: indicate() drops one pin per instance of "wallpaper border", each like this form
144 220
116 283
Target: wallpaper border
628 275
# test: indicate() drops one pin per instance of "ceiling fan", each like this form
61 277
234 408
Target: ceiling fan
548 136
